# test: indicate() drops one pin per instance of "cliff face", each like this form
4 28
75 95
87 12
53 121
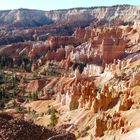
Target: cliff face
23 24
89 45
25 17
108 13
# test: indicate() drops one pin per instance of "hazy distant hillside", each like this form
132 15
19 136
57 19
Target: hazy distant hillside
34 18
25 17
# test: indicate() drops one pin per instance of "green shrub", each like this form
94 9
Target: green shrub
33 96
18 109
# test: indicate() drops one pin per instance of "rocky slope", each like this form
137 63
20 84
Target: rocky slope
12 128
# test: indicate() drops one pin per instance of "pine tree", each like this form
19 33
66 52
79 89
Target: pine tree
53 117
35 96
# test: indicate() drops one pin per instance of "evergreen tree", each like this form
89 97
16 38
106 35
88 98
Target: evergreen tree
35 96
53 117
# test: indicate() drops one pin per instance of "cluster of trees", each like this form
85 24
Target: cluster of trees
10 80
5 61
8 88
24 62
2 93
